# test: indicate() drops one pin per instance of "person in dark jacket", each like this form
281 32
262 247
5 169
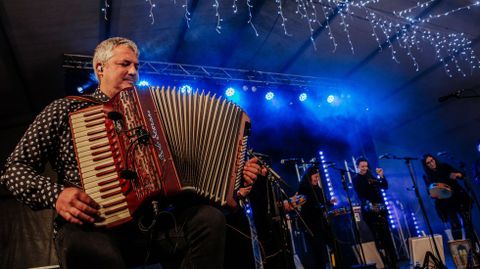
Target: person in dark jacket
313 211
451 200
374 211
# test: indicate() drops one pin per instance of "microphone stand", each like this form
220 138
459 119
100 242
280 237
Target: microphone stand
408 162
460 94
356 232
278 192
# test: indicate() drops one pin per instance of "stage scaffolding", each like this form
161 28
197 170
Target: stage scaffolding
198 72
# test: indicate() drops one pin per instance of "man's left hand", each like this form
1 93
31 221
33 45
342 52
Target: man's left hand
251 171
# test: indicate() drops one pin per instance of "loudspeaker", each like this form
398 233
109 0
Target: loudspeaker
371 254
418 247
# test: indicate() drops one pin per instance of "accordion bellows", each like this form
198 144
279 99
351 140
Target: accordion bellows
157 142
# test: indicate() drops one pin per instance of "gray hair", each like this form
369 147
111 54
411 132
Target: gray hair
104 50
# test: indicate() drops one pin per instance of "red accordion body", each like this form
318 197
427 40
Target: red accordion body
149 143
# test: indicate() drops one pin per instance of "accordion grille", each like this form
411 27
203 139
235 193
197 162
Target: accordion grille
206 136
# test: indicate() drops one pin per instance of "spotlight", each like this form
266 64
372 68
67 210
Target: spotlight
186 89
254 89
302 97
245 88
230 91
269 96
330 99
143 83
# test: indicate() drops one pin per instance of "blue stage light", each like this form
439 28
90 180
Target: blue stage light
143 83
330 99
186 89
230 91
269 96
80 89
302 97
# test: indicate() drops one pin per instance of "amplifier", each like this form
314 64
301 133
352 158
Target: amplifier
418 247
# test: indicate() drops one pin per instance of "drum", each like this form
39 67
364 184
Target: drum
440 191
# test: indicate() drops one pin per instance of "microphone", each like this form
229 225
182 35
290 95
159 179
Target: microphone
442 153
291 160
456 94
384 156
258 154
329 164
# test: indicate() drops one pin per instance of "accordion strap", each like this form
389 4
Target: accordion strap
85 98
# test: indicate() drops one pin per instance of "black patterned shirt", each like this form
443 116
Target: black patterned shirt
48 138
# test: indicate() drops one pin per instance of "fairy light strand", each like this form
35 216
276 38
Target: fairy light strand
284 19
152 6
186 13
219 19
235 7
327 25
250 16
105 10
394 30
345 26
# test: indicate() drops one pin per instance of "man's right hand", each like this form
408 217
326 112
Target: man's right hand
76 206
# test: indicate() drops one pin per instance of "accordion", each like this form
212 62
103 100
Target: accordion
157 142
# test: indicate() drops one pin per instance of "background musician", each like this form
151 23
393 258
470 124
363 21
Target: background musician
443 176
190 234
368 189
313 212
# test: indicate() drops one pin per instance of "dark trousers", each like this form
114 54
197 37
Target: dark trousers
378 224
318 251
193 237
451 209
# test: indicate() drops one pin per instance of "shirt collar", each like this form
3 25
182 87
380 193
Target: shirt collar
99 95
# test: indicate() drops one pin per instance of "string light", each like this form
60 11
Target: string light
234 7
186 13
327 25
389 206
152 6
331 192
401 29
284 19
415 225
217 14
250 16
104 9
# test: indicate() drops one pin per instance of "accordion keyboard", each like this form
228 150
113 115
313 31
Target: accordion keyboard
99 160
